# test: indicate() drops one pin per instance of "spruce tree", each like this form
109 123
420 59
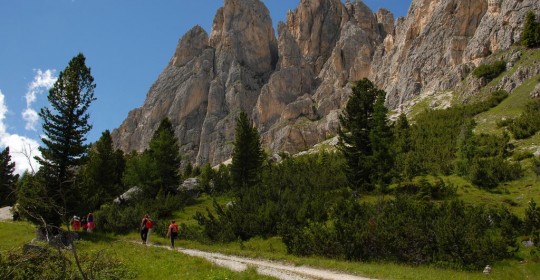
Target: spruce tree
532 217
530 37
402 147
65 125
381 142
164 153
364 136
248 156
8 179
101 176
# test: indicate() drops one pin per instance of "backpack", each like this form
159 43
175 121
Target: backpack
149 224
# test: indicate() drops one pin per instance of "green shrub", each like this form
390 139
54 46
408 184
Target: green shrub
426 190
490 71
295 191
528 123
519 156
124 218
531 222
504 122
489 172
409 231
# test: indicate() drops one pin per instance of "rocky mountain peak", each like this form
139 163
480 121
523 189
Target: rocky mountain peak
190 46
242 30
295 86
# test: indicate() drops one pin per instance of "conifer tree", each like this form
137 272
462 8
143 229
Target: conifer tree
157 168
8 179
381 142
164 152
102 174
365 137
65 125
530 37
248 155
402 147
532 217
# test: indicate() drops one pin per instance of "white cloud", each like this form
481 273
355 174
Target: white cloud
43 81
22 149
31 117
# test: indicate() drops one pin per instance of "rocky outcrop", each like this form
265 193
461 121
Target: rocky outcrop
439 41
509 83
294 86
208 81
536 91
306 98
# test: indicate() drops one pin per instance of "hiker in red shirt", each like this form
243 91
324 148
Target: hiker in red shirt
76 223
172 232
146 226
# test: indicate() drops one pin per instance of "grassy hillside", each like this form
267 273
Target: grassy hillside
515 194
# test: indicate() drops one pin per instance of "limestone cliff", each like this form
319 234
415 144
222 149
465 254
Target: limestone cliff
294 86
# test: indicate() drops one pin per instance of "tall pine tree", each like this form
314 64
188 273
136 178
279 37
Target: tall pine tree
381 138
101 176
157 168
164 152
8 179
530 37
365 137
65 125
402 146
248 156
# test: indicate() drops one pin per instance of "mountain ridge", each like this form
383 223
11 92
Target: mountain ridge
295 85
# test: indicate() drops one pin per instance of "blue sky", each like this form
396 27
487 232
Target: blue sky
126 43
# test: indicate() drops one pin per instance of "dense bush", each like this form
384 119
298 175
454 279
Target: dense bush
294 191
528 123
436 136
124 218
490 71
409 231
425 190
489 172
483 159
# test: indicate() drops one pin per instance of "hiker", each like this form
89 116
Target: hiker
76 223
84 223
149 226
172 232
146 226
90 222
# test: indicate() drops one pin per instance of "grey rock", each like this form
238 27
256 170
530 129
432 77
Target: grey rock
536 91
509 83
189 184
126 196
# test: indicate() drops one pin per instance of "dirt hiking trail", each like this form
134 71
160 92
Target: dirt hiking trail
279 270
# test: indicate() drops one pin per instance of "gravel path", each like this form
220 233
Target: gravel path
5 214
275 269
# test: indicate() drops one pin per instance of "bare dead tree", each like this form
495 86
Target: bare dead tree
28 152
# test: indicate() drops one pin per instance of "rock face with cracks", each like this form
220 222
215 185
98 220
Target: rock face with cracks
295 86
